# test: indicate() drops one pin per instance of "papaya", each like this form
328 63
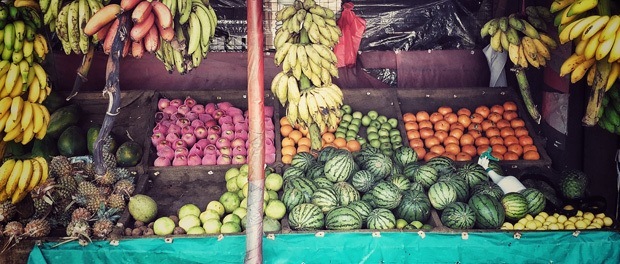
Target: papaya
72 142
129 154
54 101
45 147
63 118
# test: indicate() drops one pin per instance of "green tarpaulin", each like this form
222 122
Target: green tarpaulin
354 247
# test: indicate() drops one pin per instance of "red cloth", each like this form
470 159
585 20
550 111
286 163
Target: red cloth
352 28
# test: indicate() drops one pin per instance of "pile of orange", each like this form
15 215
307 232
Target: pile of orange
295 139
463 135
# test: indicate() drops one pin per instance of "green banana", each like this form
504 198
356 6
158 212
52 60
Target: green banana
9 36
516 23
503 23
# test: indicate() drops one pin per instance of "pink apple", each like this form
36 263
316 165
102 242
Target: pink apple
212 138
215 130
170 110
210 150
239 150
239 159
176 102
228 134
225 151
210 108
242 134
156 138
172 137
179 160
222 142
163 144
269 124
160 128
238 118
162 162
161 116
189 101
197 150
201 132
189 138
183 109
197 123
225 119
183 122
270 134
198 109
187 129
166 152
227 126
210 123
270 158
268 111
179 143
181 151
224 105
202 143
210 159
163 103
204 117
223 160
237 142
231 111
218 113
191 115
194 160
241 126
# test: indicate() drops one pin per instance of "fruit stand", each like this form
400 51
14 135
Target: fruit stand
277 155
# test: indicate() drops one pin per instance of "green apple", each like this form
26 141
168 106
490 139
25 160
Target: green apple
342 129
386 145
230 227
357 115
189 221
188 209
372 129
346 109
351 133
375 123
163 226
373 136
361 140
375 143
387 152
231 173
273 182
339 134
396 145
394 132
382 119
384 139
366 120
393 122
372 114
384 132
386 126
208 214
395 138
217 207
353 127
349 138
346 117
356 121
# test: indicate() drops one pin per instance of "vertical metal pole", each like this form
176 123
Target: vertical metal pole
256 156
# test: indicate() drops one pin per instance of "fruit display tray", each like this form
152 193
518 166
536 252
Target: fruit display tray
238 98
413 100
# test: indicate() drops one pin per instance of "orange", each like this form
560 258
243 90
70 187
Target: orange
303 148
463 156
411 125
510 106
511 156
531 155
304 141
289 150
328 137
409 117
525 140
340 142
353 146
284 121
287 141
296 135
286 159
304 130
285 130
411 134
421 151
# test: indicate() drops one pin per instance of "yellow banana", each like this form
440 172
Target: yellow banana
581 70
614 54
282 92
41 74
26 114
13 133
27 134
595 27
581 6
292 114
580 26
613 75
5 105
3 121
495 43
274 83
36 175
611 29
11 184
571 63
44 168
558 5
24 178
5 65
503 40
34 91
297 70
302 110
293 94
5 172
17 104
11 78
17 90
530 51
542 49
604 48
37 118
592 46
580 48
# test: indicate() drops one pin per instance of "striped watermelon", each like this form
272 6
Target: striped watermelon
426 175
305 185
459 184
322 182
306 217
416 186
379 165
366 152
442 164
346 193
415 206
325 198
367 197
362 208
441 194
458 215
410 169
396 169
381 218
326 154
401 182
315 170
293 197
292 172
473 173
343 218
303 161
404 156
489 211
385 195
338 169
536 201
362 180
515 205
488 187
494 165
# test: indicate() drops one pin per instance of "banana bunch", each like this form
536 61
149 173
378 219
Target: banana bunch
538 16
524 43
194 26
317 21
570 10
152 22
22 120
609 113
69 23
320 105
19 39
18 177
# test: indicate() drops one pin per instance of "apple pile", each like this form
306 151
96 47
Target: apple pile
188 133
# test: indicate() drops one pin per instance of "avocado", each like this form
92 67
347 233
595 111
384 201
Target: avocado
72 142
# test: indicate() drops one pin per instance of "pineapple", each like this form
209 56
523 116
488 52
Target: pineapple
109 144
37 228
124 187
13 229
105 222
67 186
79 228
7 211
42 198
60 166
117 201
106 179
89 170
105 190
87 188
95 202
109 160
81 213
121 173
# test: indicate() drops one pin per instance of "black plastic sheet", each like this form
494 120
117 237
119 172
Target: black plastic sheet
423 24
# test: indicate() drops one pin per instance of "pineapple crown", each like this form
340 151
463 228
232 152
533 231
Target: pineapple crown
111 214
44 190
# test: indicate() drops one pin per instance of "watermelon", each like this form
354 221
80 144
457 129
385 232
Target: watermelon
306 186
426 175
488 187
442 164
573 184
315 170
292 172
473 174
322 182
325 198
362 208
303 161
385 195
494 165
366 152
339 168
416 186
326 154
536 201
379 165
343 218
306 217
458 215
362 180
381 218
346 193
404 155
415 206
401 182
441 194
396 170
515 205
293 197
409 170
459 184
488 210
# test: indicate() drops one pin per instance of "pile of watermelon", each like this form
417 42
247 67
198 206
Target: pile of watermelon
340 190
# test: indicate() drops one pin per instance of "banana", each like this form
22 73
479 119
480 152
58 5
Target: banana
17 104
205 26
26 174
27 134
40 46
5 105
162 13
37 118
3 92
292 114
571 63
28 48
109 38
291 56
563 18
139 30
614 54
73 23
274 83
151 40
595 27
5 172
513 36
103 16
3 120
590 75
24 69
26 115
9 36
83 17
35 178
141 12
41 133
529 30
515 23
611 28
550 42
541 49
313 108
17 56
137 49
41 74
281 53
194 33
581 70
603 49
513 53
581 6
129 4
297 70
613 75
44 168
282 91
580 48
592 46
503 23
20 34
13 179
325 77
529 49
184 8
293 93
575 29
11 78
302 111
17 90
213 18
558 5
